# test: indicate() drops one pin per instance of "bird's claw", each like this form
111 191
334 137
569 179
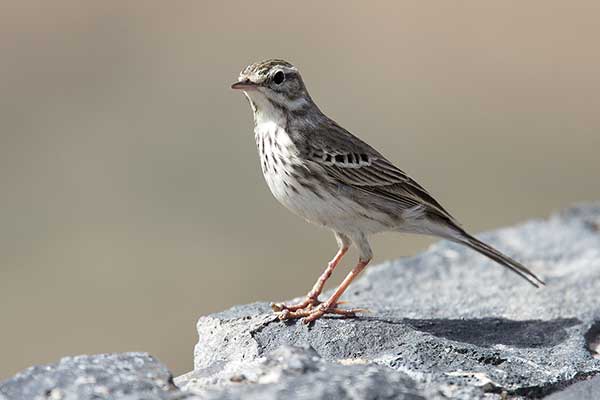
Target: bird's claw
277 307
311 313
308 302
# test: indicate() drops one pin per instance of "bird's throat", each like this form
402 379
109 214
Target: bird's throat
266 111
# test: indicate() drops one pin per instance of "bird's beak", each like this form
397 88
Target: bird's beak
246 84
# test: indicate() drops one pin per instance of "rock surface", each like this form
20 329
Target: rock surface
588 389
445 324
127 376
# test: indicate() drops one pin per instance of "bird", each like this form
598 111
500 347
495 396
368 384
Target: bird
328 176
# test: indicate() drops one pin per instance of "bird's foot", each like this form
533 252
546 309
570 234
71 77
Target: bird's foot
311 312
309 301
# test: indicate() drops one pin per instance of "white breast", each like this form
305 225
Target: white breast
283 169
277 158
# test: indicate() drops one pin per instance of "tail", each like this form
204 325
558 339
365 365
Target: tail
500 258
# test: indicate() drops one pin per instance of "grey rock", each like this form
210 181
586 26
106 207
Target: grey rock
127 376
447 323
588 389
300 373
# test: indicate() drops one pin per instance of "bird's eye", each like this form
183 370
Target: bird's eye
279 77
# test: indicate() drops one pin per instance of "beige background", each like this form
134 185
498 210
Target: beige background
132 200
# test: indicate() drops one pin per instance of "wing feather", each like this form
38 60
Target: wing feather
372 173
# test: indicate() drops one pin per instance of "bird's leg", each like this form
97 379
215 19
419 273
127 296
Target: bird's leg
310 313
328 306
312 298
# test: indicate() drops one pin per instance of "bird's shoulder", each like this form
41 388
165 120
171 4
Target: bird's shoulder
347 159
335 148
325 139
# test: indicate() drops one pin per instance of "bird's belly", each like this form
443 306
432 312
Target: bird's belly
298 197
319 204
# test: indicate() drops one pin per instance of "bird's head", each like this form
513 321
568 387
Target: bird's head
273 86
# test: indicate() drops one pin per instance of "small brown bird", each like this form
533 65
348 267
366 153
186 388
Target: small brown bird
328 176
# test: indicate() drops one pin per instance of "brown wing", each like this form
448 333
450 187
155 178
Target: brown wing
357 164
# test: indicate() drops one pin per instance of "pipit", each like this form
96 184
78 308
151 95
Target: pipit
328 176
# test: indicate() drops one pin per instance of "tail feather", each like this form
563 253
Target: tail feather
500 258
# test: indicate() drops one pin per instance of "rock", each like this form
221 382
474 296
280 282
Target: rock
300 373
588 389
447 323
128 376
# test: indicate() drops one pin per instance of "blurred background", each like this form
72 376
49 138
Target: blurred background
132 199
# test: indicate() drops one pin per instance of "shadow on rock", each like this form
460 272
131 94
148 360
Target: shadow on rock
488 332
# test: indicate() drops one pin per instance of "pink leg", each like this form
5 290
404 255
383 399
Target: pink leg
312 298
328 307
